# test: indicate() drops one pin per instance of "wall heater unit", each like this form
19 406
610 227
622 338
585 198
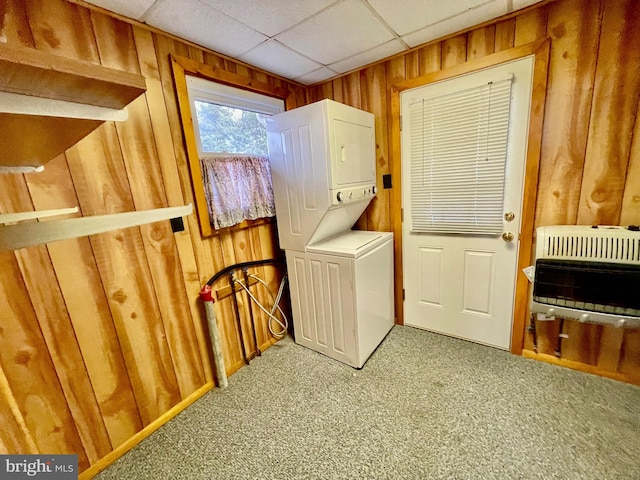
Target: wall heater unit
588 274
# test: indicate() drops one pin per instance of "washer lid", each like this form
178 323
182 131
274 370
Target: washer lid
353 243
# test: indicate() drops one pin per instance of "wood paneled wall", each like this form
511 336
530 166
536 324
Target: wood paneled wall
590 160
103 338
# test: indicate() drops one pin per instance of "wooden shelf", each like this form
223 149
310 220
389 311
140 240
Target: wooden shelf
48 103
22 235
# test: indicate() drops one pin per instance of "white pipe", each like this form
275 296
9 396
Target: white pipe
221 373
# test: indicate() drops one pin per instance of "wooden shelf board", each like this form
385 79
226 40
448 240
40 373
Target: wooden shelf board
28 71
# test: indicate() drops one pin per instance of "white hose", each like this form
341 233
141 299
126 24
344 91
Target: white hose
276 306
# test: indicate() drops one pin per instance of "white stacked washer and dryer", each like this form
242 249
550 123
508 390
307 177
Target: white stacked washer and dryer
323 166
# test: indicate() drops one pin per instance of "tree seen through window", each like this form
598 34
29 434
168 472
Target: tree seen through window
231 130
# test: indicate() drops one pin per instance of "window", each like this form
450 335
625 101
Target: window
458 155
213 91
231 140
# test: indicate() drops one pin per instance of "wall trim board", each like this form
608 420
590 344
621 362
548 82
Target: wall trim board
123 448
182 66
540 49
582 367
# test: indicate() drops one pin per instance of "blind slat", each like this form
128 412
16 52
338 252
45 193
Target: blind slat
458 147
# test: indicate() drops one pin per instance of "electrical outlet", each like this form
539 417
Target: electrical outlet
177 225
386 181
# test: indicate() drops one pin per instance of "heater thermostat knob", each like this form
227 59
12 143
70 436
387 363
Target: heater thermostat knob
340 196
374 189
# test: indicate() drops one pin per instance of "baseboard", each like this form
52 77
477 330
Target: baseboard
123 448
583 367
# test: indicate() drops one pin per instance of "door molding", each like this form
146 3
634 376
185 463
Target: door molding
540 50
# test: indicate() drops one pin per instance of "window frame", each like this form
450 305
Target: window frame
181 67
209 91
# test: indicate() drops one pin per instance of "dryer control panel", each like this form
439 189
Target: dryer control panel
354 194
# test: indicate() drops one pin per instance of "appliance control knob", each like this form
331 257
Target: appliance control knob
340 196
374 189
550 312
350 195
584 317
364 192
621 322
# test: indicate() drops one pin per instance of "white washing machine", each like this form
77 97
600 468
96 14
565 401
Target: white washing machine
342 294
323 168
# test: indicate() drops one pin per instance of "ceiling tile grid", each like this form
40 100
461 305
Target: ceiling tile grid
200 23
311 41
277 58
347 28
269 17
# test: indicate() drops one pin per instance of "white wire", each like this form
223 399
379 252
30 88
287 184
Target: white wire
284 324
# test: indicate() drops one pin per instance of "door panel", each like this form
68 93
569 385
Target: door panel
430 272
459 284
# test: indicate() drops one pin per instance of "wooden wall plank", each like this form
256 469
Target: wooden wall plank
14 26
454 51
481 42
430 58
616 92
207 264
54 322
338 90
630 355
412 64
530 26
116 47
29 370
175 197
351 88
375 100
505 34
137 144
102 187
574 52
63 29
14 435
84 296
630 210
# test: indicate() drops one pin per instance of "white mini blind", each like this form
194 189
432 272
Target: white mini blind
458 155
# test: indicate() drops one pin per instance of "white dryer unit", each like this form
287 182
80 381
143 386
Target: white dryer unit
342 294
323 167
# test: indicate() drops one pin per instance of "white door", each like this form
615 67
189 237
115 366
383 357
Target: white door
462 284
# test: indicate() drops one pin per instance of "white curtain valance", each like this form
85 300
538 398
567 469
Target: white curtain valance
237 188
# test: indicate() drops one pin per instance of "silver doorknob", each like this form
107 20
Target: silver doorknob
509 216
507 236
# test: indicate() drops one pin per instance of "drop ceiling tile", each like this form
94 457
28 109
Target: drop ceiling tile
378 53
317 76
203 25
128 8
269 16
343 30
410 15
518 4
276 58
465 20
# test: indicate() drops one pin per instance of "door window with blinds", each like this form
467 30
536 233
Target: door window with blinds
458 155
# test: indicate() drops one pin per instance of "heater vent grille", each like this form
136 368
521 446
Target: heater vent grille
604 244
587 274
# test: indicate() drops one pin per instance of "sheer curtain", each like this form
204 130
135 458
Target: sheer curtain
237 188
